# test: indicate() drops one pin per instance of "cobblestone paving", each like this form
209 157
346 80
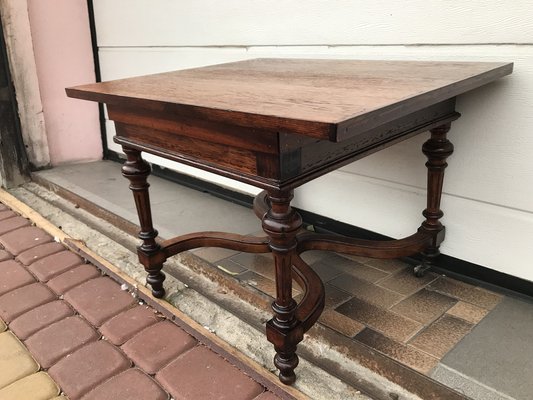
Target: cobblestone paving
67 331
380 303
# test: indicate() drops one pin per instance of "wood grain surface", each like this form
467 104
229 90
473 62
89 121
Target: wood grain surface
326 99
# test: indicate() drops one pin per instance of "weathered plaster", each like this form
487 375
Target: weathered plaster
17 33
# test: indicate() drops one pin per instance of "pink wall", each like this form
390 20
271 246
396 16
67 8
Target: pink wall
63 55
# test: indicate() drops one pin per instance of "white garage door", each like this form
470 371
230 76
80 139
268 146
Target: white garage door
488 197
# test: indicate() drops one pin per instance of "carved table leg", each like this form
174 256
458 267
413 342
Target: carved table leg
437 149
150 255
281 223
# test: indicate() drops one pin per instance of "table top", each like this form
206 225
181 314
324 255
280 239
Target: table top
330 99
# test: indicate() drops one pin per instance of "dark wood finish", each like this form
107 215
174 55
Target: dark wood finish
276 124
326 99
136 170
395 248
312 304
281 160
249 109
366 248
437 149
249 244
281 223
304 160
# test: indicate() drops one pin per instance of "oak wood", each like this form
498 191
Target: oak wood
220 156
326 99
281 160
278 123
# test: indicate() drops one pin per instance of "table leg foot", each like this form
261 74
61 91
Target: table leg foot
285 343
155 279
286 365
420 270
428 260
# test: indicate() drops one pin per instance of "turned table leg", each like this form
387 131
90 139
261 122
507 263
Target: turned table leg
281 223
437 149
136 170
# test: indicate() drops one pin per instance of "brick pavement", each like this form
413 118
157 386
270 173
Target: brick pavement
67 330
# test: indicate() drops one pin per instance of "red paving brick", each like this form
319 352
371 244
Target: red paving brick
80 363
128 323
156 346
48 267
201 374
11 224
5 214
87 367
99 299
56 341
30 256
38 318
3 207
72 278
23 299
4 255
131 384
14 276
24 239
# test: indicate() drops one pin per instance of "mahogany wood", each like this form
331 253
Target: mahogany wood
276 124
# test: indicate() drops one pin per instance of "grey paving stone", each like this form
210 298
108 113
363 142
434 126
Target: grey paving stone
466 385
498 353
204 212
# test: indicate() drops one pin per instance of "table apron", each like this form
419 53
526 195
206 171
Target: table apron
296 159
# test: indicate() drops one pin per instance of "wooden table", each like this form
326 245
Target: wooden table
276 124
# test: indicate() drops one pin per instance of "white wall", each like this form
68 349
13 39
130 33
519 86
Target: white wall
488 198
